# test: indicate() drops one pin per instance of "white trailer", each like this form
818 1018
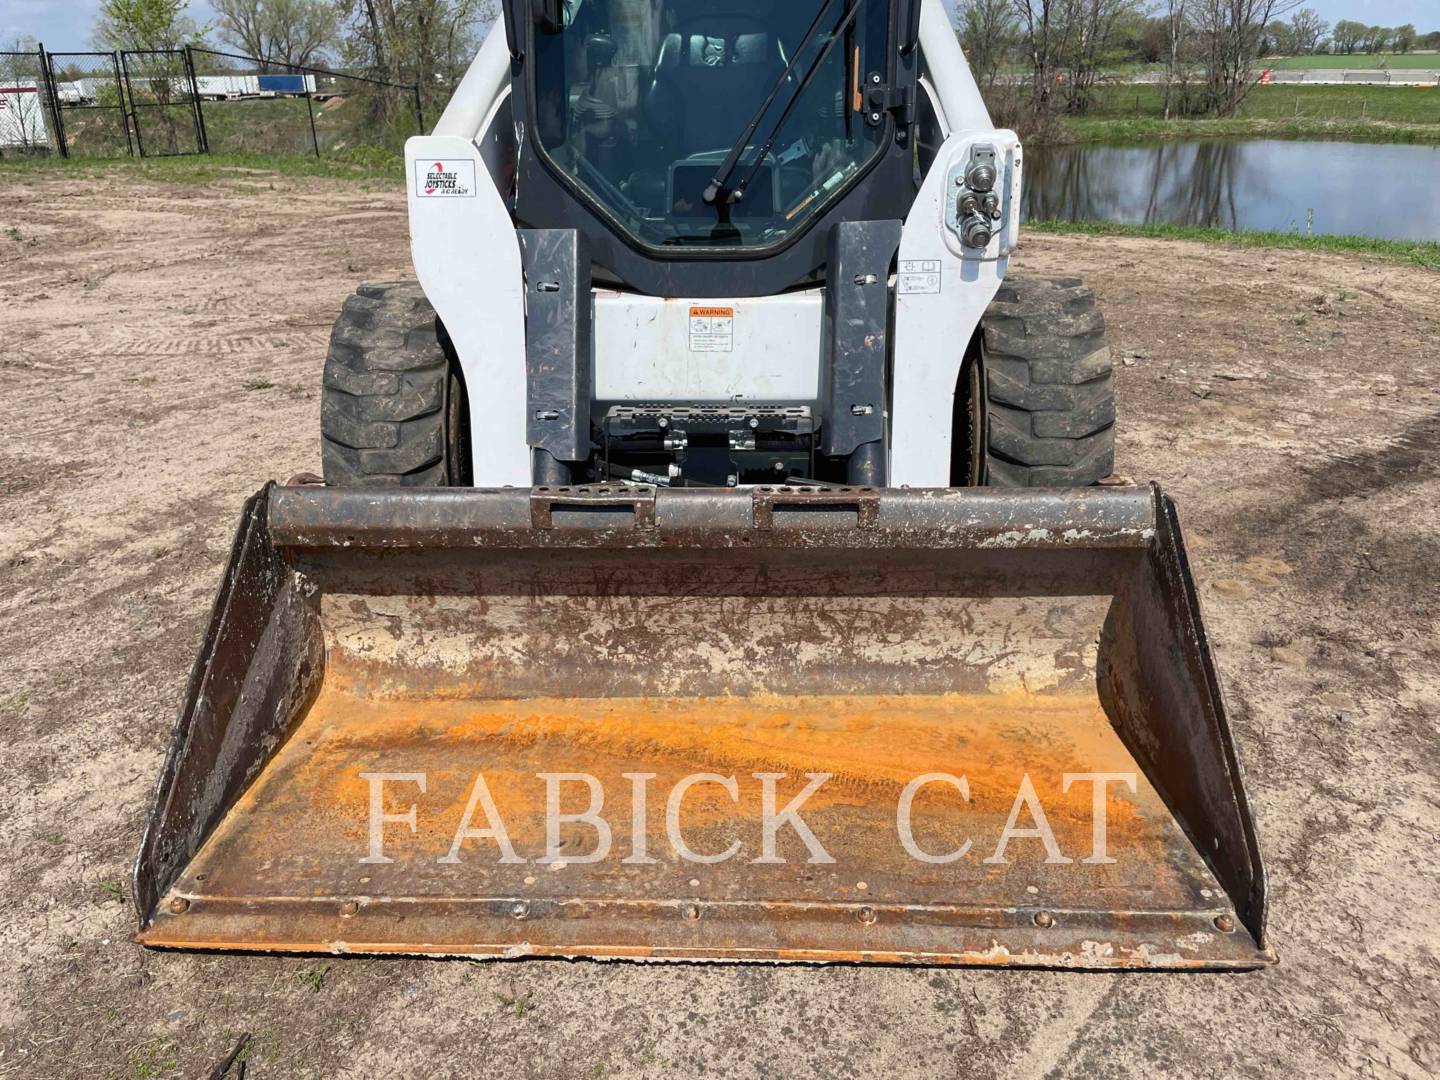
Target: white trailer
231 87
22 116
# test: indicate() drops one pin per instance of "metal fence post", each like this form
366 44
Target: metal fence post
120 104
129 100
202 140
47 81
310 109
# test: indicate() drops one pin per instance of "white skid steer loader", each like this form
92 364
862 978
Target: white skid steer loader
709 562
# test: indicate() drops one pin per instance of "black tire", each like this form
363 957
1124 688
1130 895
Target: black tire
1049 415
392 409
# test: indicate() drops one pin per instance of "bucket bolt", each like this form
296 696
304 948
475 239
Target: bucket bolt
179 906
1044 920
1225 923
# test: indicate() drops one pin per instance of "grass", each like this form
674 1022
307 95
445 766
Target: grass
517 1004
13 705
1418 253
1154 129
154 1060
366 164
1370 113
313 977
1411 61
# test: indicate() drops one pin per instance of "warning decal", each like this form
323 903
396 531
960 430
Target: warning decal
712 329
919 276
444 179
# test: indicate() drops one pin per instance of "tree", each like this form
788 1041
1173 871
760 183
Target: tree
1180 45
987 35
1042 33
1152 42
1232 31
1278 39
1068 43
145 24
1094 32
1347 35
294 32
1376 39
424 41
1404 38
1307 28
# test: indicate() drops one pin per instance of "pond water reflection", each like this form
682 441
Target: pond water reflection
1364 189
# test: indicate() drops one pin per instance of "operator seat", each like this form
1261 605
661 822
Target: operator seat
709 80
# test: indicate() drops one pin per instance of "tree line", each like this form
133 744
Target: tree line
424 42
1348 37
1037 60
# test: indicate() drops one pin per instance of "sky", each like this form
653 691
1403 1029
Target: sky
67 24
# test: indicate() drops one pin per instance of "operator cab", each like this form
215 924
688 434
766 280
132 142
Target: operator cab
671 132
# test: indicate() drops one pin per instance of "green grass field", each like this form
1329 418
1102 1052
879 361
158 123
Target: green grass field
371 166
1360 61
1392 104
1378 113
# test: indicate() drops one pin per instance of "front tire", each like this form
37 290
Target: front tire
1049 408
392 409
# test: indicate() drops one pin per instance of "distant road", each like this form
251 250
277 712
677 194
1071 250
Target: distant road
1417 77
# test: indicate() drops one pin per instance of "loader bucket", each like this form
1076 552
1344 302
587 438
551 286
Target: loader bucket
758 724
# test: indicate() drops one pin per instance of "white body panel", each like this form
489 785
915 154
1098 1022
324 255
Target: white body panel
645 351
955 91
933 326
467 258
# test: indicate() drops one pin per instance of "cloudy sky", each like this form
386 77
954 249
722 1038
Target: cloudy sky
67 24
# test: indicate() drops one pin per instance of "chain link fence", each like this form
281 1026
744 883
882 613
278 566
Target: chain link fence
91 116
253 106
164 103
173 102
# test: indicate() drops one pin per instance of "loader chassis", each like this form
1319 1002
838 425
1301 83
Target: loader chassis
669 273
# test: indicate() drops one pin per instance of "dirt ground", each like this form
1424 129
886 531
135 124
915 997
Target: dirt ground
162 347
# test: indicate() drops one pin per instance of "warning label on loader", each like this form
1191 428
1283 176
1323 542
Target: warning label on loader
444 179
919 276
712 329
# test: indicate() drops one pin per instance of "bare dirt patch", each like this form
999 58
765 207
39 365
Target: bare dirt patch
162 347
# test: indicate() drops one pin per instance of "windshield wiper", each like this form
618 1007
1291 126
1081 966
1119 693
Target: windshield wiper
718 194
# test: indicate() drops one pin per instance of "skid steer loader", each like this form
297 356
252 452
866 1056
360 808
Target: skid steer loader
710 561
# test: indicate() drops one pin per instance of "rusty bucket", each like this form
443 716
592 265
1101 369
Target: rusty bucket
959 726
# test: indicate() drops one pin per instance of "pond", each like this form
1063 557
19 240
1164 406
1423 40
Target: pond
1387 191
